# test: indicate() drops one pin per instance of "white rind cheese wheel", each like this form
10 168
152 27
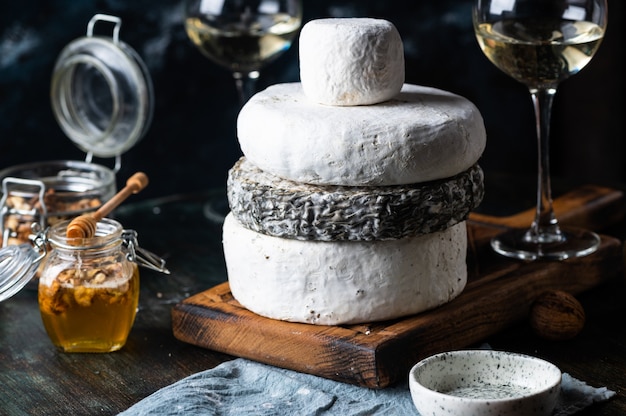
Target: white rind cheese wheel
270 205
422 135
344 282
351 61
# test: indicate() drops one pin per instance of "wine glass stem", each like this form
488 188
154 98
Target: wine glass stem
545 227
246 85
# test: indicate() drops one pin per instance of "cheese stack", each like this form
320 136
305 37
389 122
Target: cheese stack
349 204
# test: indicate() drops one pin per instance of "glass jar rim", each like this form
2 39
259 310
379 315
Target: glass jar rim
108 233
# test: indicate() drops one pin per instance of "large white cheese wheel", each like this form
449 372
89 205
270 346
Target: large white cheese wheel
351 61
421 135
270 205
332 283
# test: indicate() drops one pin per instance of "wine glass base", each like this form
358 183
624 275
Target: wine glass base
215 211
519 245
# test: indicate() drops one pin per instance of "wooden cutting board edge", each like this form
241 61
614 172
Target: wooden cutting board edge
377 355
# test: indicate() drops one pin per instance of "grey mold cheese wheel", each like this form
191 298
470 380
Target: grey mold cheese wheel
282 208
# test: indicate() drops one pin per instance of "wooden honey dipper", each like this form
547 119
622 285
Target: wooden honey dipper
84 226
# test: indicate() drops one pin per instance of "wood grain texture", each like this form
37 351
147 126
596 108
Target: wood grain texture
498 294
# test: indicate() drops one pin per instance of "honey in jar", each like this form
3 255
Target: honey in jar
88 290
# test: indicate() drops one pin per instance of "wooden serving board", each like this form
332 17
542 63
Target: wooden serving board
499 293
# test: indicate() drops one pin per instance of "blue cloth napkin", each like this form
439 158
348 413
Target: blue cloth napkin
241 387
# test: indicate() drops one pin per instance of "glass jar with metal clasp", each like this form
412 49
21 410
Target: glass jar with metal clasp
88 287
102 98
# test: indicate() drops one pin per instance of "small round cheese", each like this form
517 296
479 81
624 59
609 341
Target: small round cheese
343 282
421 135
270 205
351 61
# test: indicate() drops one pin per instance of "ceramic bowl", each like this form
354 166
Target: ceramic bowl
484 382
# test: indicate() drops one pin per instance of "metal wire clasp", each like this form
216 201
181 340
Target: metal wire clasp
39 240
106 18
141 256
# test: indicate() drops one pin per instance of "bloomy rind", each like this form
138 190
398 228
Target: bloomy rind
423 134
351 61
343 282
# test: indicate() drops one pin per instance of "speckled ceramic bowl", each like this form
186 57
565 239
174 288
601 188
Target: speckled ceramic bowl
484 382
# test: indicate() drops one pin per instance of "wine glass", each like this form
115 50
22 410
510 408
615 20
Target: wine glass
541 43
243 35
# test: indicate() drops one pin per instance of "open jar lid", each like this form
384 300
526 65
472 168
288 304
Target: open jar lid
101 92
18 265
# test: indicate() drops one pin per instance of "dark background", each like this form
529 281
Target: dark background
192 143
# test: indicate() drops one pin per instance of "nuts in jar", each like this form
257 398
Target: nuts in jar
20 224
49 192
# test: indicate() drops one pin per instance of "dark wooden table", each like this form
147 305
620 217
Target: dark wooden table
36 379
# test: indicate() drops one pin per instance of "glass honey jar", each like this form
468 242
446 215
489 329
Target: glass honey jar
89 287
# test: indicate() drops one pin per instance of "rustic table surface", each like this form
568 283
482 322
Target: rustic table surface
36 379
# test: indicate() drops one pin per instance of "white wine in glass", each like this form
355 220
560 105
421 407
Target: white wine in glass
540 43
243 35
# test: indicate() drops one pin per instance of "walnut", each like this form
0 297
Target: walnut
557 315
99 277
83 295
52 299
65 275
